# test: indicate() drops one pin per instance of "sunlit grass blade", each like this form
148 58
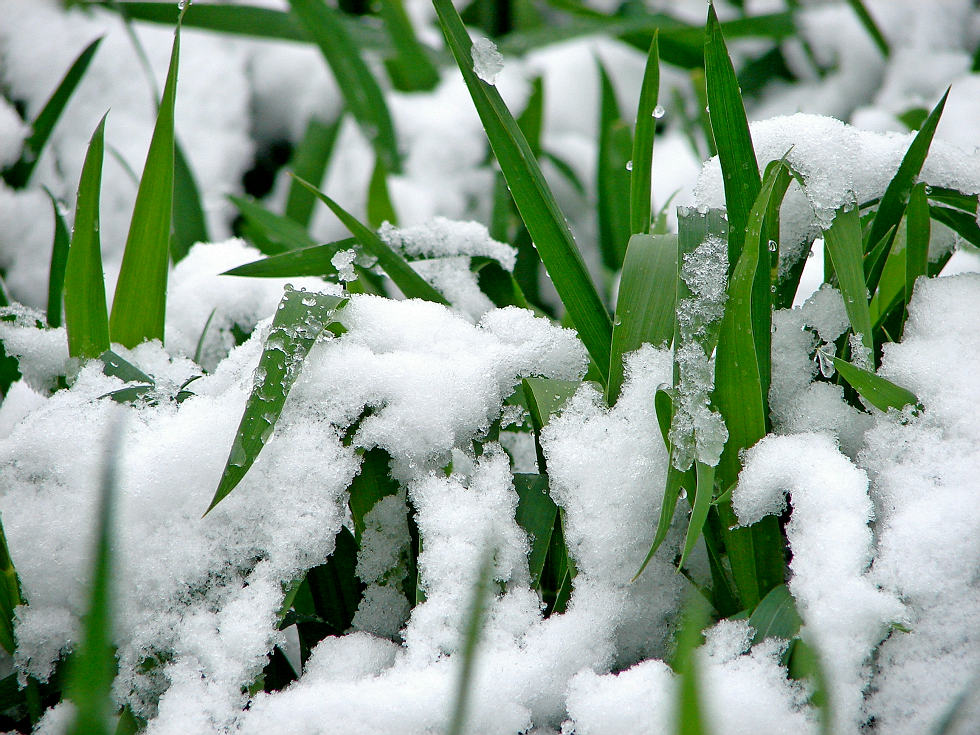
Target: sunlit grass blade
870 26
10 595
917 242
544 220
59 263
645 305
844 244
300 319
730 129
879 392
310 162
613 176
379 206
397 268
775 616
86 318
357 85
92 666
189 223
643 134
280 230
18 174
536 514
309 261
411 69
140 301
896 195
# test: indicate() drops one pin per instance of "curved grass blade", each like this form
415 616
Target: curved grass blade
645 305
730 129
705 484
301 318
310 163
544 220
805 664
277 229
846 250
962 223
879 392
310 261
86 319
896 196
140 302
10 595
189 223
870 26
918 230
411 69
397 268
643 134
613 177
358 87
371 484
537 514
59 263
775 616
18 174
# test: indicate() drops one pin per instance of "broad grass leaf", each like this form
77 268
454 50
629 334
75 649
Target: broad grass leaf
845 246
775 616
282 231
690 716
641 179
313 260
613 176
371 484
537 515
544 398
879 392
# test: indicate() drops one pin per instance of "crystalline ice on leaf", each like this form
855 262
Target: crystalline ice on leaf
487 60
825 355
659 111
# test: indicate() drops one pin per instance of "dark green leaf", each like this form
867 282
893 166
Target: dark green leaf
775 616
116 366
411 69
545 397
870 26
10 595
613 177
59 264
879 392
846 250
702 504
916 242
310 162
690 716
190 224
646 127
962 223
531 120
379 207
372 483
309 261
536 514
282 231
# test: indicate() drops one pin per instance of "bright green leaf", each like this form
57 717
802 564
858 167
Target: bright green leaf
646 127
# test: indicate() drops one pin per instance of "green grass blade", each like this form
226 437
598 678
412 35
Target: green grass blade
358 87
411 69
92 667
372 483
690 717
730 130
379 206
613 176
645 306
300 319
10 595
846 249
870 26
310 261
918 233
646 126
544 398
531 120
805 664
140 302
963 224
775 616
189 223
544 220
310 162
59 263
18 174
86 319
277 229
879 392
536 514
397 268
705 484
896 195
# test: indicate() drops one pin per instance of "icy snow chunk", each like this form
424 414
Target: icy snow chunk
13 132
343 261
487 61
638 700
443 238
825 312
349 657
42 353
19 402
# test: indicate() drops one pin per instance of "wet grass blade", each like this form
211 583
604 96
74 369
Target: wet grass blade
544 220
870 26
372 483
10 595
896 196
846 249
613 176
775 616
645 305
310 162
59 263
879 392
705 484
189 223
730 129
411 69
277 229
357 85
310 261
397 268
19 174
300 319
140 302
537 515
643 135
86 318
916 243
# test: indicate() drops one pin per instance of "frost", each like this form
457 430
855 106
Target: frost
487 61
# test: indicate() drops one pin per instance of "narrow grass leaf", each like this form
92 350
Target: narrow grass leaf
705 484
189 223
646 301
10 595
411 69
962 223
775 616
896 195
918 232
357 85
300 319
372 483
544 220
953 198
879 392
730 130
537 515
844 244
870 26
397 268
613 176
140 301
805 664
310 162
379 206
86 318
641 180
59 263
689 713
544 398
19 174
115 366
308 261
531 120
280 230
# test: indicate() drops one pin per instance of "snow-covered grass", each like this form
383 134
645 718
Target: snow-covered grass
478 421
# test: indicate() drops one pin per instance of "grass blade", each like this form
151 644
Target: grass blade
20 172
896 196
301 318
879 392
59 263
870 26
690 717
86 319
918 230
277 229
705 484
775 616
189 223
544 398
358 87
310 261
140 302
379 206
411 69
613 177
397 268
846 249
310 163
730 130
10 595
537 515
963 224
645 306
643 134
372 483
544 220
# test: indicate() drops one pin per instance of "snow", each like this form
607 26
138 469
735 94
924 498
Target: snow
487 61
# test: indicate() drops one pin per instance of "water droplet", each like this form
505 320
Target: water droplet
629 165
682 494
659 111
773 246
